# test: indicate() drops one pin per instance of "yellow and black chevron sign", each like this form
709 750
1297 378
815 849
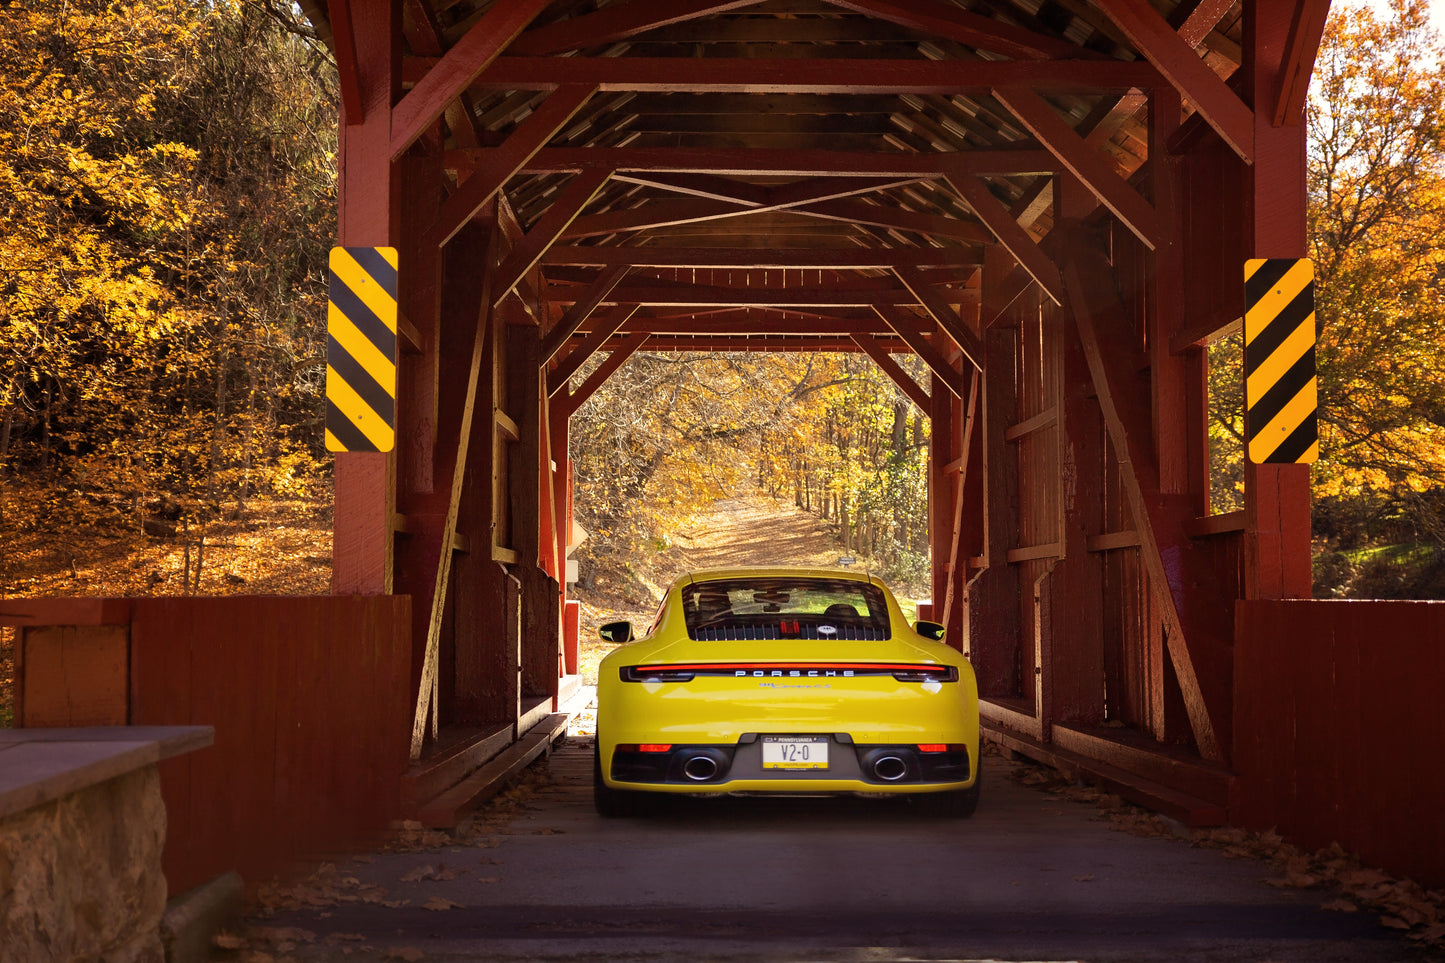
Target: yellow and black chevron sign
361 350
1280 390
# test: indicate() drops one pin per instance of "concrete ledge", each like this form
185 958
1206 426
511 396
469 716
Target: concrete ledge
41 765
194 918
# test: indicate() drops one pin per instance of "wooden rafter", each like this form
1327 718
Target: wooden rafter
942 312
1220 107
698 295
971 29
450 76
1091 167
780 163
1010 234
620 21
909 327
804 76
835 259
526 252
579 312
893 370
602 329
497 165
619 354
671 212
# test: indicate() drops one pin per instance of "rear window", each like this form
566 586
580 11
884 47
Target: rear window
782 607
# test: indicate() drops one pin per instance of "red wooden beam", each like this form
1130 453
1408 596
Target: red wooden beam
602 329
971 29
1010 234
450 76
942 312
580 311
676 75
525 253
1094 169
743 323
671 212
893 370
497 165
878 215
909 327
1220 107
667 295
955 562
835 259
709 186
344 41
781 163
619 21
1305 32
603 371
1108 351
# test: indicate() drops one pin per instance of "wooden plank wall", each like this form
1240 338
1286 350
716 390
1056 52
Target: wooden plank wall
312 709
1340 728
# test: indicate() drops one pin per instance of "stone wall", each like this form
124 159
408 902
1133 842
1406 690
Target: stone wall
80 876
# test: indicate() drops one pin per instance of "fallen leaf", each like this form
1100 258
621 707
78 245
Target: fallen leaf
417 875
1084 878
1394 923
440 903
1340 906
228 941
408 953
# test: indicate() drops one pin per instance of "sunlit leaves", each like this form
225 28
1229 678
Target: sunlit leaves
1377 213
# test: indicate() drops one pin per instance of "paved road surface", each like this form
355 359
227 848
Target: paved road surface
1030 877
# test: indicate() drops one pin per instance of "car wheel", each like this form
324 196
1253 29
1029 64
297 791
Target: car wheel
616 803
955 804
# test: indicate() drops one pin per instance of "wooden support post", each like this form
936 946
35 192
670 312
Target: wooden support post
993 594
368 215
541 604
1277 497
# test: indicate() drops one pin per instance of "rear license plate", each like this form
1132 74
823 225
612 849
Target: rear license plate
795 752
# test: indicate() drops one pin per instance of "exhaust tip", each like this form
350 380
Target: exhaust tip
889 768
700 768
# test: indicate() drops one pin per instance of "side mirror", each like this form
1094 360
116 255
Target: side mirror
930 630
616 632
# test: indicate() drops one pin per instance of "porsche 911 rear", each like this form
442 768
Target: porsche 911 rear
785 681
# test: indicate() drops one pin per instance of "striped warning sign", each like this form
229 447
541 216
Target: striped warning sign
361 350
1280 389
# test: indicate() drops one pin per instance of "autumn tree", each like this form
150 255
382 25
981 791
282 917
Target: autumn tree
166 181
1376 216
670 433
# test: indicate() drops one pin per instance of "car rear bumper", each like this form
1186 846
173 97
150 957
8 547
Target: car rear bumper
739 767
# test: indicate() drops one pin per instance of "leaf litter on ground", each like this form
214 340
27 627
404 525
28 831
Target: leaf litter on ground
1401 904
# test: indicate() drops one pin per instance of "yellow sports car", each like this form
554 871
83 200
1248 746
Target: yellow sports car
779 681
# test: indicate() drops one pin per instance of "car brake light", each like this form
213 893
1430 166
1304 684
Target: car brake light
932 747
655 747
655 673
927 673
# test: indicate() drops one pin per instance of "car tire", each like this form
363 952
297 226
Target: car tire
954 804
616 803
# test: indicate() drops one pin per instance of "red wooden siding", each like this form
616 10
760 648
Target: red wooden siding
1340 728
310 701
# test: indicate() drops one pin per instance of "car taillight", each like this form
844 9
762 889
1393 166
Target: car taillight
655 673
927 673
